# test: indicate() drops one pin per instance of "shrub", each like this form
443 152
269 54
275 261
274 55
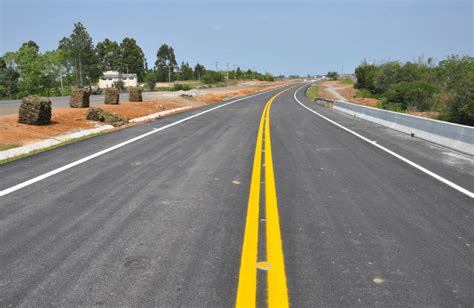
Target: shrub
332 75
414 95
365 75
179 87
119 84
211 77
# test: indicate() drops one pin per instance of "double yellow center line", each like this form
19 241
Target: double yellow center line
276 277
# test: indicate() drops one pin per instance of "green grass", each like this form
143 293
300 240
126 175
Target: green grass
312 92
4 161
8 147
347 81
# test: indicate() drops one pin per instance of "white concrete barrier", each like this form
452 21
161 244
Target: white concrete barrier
451 135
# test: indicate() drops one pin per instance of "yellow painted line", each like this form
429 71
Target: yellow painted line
247 287
277 289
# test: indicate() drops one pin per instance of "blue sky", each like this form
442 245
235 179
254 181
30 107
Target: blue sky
281 37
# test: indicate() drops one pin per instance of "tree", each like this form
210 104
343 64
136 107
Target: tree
165 63
365 74
211 77
133 58
150 79
332 75
31 44
79 50
186 71
199 70
52 63
110 54
8 78
119 85
30 68
411 95
238 73
456 75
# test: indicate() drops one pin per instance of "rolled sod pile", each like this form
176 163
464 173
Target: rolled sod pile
97 114
35 110
79 98
112 96
134 94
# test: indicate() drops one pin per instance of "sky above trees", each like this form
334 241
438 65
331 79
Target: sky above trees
280 37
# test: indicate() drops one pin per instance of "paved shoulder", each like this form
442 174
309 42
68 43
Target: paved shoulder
359 226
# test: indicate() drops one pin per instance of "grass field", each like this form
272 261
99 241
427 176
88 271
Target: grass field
312 92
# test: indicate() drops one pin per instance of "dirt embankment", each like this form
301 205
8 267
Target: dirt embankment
68 120
347 91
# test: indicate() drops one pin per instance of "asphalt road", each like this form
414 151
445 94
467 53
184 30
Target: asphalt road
160 221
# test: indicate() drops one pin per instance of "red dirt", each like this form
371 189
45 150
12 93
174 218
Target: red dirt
67 120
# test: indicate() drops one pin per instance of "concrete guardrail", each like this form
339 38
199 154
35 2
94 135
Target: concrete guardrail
451 135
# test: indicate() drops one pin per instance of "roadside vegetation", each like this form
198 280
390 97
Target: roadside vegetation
78 62
312 92
7 160
446 88
8 146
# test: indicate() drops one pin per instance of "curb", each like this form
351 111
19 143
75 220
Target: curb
60 139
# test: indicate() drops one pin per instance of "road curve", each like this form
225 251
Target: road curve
161 220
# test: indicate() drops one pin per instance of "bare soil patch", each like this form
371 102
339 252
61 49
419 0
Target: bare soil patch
69 120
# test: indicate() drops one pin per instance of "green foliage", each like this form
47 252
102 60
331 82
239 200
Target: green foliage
411 95
447 87
238 73
332 75
312 92
132 59
165 63
119 84
212 77
265 77
199 71
365 75
456 74
185 71
31 44
109 53
347 81
181 87
81 54
150 79
8 78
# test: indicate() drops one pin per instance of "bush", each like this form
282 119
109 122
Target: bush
211 77
332 75
119 84
414 95
447 88
365 75
181 87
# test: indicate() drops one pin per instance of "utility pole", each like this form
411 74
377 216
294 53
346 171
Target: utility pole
61 77
235 68
227 71
169 77
216 65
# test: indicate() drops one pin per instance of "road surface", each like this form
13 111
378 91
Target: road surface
246 202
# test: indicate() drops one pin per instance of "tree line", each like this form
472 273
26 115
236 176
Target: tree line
446 87
78 62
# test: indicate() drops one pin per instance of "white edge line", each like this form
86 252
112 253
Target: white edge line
374 143
87 158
